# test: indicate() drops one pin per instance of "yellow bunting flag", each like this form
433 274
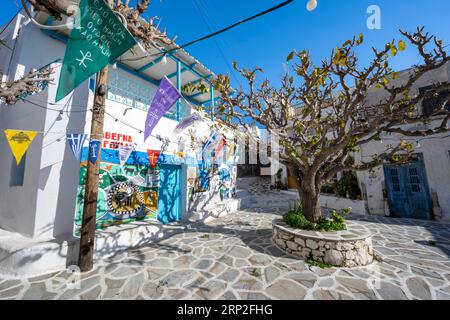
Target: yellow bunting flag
19 141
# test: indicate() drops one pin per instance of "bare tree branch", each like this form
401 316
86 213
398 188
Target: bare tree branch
34 82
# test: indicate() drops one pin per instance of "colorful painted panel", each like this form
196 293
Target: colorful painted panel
125 194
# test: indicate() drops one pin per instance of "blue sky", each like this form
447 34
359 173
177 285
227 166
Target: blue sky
265 42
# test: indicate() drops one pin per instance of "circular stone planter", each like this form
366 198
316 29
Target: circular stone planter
347 248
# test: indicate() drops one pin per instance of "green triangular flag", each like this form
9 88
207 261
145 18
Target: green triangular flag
99 40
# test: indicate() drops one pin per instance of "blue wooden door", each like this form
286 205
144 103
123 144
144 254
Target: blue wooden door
407 189
169 193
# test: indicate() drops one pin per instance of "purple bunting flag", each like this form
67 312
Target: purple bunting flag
164 99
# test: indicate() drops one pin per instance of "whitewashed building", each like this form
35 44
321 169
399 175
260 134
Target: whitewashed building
421 189
41 199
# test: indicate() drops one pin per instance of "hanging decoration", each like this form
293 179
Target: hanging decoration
124 153
222 143
94 148
99 40
76 141
164 99
153 156
212 137
230 151
19 141
187 122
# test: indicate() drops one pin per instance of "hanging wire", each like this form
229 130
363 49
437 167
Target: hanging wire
10 21
52 109
204 15
229 27
84 106
213 34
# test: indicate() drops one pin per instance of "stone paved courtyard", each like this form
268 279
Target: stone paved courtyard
234 258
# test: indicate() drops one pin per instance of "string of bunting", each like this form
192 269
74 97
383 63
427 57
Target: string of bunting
167 95
158 137
20 140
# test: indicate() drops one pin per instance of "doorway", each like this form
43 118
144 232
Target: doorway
169 193
407 189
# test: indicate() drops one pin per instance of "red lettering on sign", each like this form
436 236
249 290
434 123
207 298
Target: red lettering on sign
112 140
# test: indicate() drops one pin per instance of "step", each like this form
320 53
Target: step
21 256
25 257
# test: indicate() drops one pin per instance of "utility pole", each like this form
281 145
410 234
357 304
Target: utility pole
87 237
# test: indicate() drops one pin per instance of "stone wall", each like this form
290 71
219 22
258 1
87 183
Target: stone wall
348 248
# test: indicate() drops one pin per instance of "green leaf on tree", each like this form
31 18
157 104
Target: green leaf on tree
290 56
394 50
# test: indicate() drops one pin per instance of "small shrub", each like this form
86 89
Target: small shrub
295 218
256 272
316 263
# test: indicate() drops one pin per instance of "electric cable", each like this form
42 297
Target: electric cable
231 26
10 21
204 15
163 53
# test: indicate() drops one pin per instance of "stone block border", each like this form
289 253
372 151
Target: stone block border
348 248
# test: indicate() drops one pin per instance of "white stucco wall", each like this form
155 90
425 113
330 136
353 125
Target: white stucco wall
21 209
336 203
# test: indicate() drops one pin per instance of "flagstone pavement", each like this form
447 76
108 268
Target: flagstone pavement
234 258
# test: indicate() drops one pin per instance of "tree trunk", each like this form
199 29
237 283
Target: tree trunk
309 193
310 205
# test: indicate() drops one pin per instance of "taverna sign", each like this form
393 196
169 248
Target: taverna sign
112 140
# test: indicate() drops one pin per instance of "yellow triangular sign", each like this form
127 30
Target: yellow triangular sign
19 141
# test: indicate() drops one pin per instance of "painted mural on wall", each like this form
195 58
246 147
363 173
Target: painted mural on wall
203 179
125 194
216 176
227 181
224 182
